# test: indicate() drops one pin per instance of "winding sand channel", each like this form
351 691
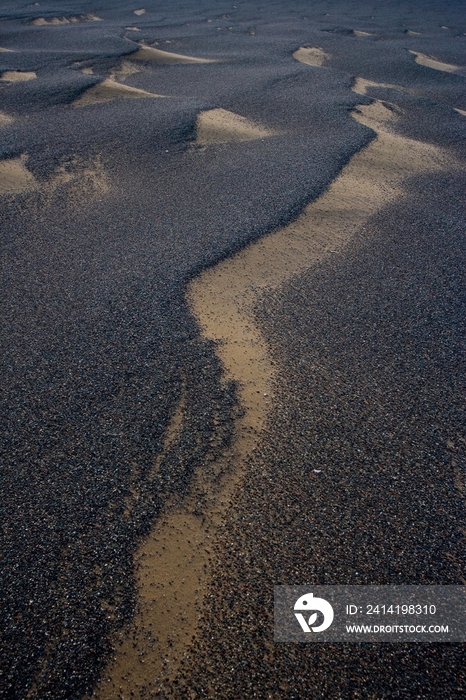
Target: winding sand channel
172 565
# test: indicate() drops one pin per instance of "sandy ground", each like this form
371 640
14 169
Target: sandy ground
233 332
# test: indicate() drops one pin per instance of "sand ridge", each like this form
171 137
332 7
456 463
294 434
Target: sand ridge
56 21
160 57
109 90
313 56
221 126
358 32
423 60
14 76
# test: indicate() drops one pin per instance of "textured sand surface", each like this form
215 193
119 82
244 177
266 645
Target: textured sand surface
174 561
14 76
430 62
233 339
5 119
14 176
221 126
110 90
313 56
165 58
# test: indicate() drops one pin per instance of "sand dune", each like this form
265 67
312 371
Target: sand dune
430 62
5 119
42 22
109 90
14 76
15 177
139 12
147 53
172 567
357 32
221 126
313 56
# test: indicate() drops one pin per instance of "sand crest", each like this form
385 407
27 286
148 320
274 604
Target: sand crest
15 177
460 111
2 50
55 21
132 29
147 53
14 76
357 32
313 56
430 62
411 33
222 126
109 90
139 12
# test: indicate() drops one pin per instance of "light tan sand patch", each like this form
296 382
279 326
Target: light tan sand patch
87 71
2 50
361 84
172 565
222 126
86 180
430 62
139 12
42 22
56 21
357 32
109 90
313 56
15 177
147 53
411 33
14 76
126 68
132 29
460 111
5 119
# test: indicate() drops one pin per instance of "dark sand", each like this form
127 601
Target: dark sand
107 210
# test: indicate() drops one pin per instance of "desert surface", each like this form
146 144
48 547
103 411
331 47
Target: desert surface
232 327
